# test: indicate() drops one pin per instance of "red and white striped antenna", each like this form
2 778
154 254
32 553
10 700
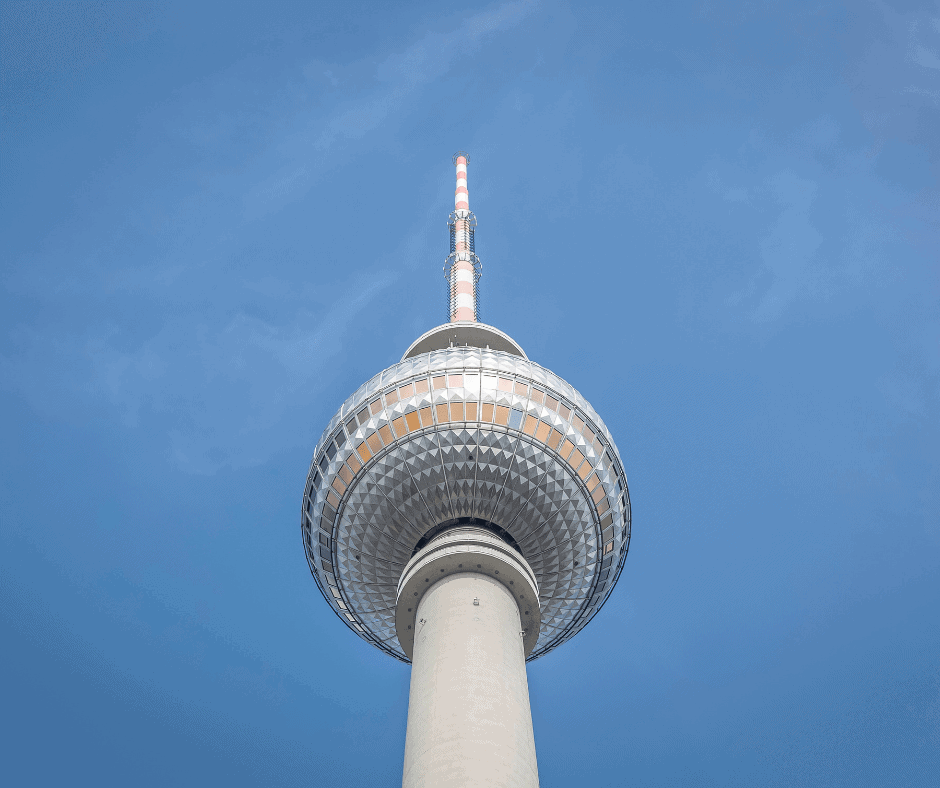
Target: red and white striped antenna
462 268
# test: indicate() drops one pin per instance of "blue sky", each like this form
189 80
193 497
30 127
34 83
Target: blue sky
719 221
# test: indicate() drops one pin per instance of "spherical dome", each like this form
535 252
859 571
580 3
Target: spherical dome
466 435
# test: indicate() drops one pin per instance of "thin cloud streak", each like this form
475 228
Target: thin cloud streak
402 75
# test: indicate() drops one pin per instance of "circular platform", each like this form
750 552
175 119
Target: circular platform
460 436
467 550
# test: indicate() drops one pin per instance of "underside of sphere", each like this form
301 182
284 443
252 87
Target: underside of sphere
466 435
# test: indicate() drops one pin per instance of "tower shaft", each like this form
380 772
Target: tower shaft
451 471
468 614
469 722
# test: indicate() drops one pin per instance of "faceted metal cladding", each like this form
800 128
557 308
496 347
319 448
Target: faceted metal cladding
452 435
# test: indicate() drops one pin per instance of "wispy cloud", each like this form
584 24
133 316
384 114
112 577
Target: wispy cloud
920 53
223 381
789 249
397 80
255 379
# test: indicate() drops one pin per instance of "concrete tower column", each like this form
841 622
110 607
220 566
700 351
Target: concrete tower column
469 721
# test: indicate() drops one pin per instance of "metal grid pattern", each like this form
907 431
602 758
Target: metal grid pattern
462 266
465 432
451 269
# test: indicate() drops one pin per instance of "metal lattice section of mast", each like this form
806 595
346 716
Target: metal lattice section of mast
462 225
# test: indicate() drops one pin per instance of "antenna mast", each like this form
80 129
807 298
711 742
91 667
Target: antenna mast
462 267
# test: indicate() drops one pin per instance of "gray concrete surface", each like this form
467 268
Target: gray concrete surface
469 722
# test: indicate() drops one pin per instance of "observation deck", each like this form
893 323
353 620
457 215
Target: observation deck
465 430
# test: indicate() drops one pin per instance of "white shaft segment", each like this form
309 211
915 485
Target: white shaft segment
461 195
463 287
469 721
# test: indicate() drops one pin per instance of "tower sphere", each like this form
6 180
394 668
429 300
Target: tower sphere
465 432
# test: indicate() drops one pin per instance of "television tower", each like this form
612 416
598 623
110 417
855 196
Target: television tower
466 511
